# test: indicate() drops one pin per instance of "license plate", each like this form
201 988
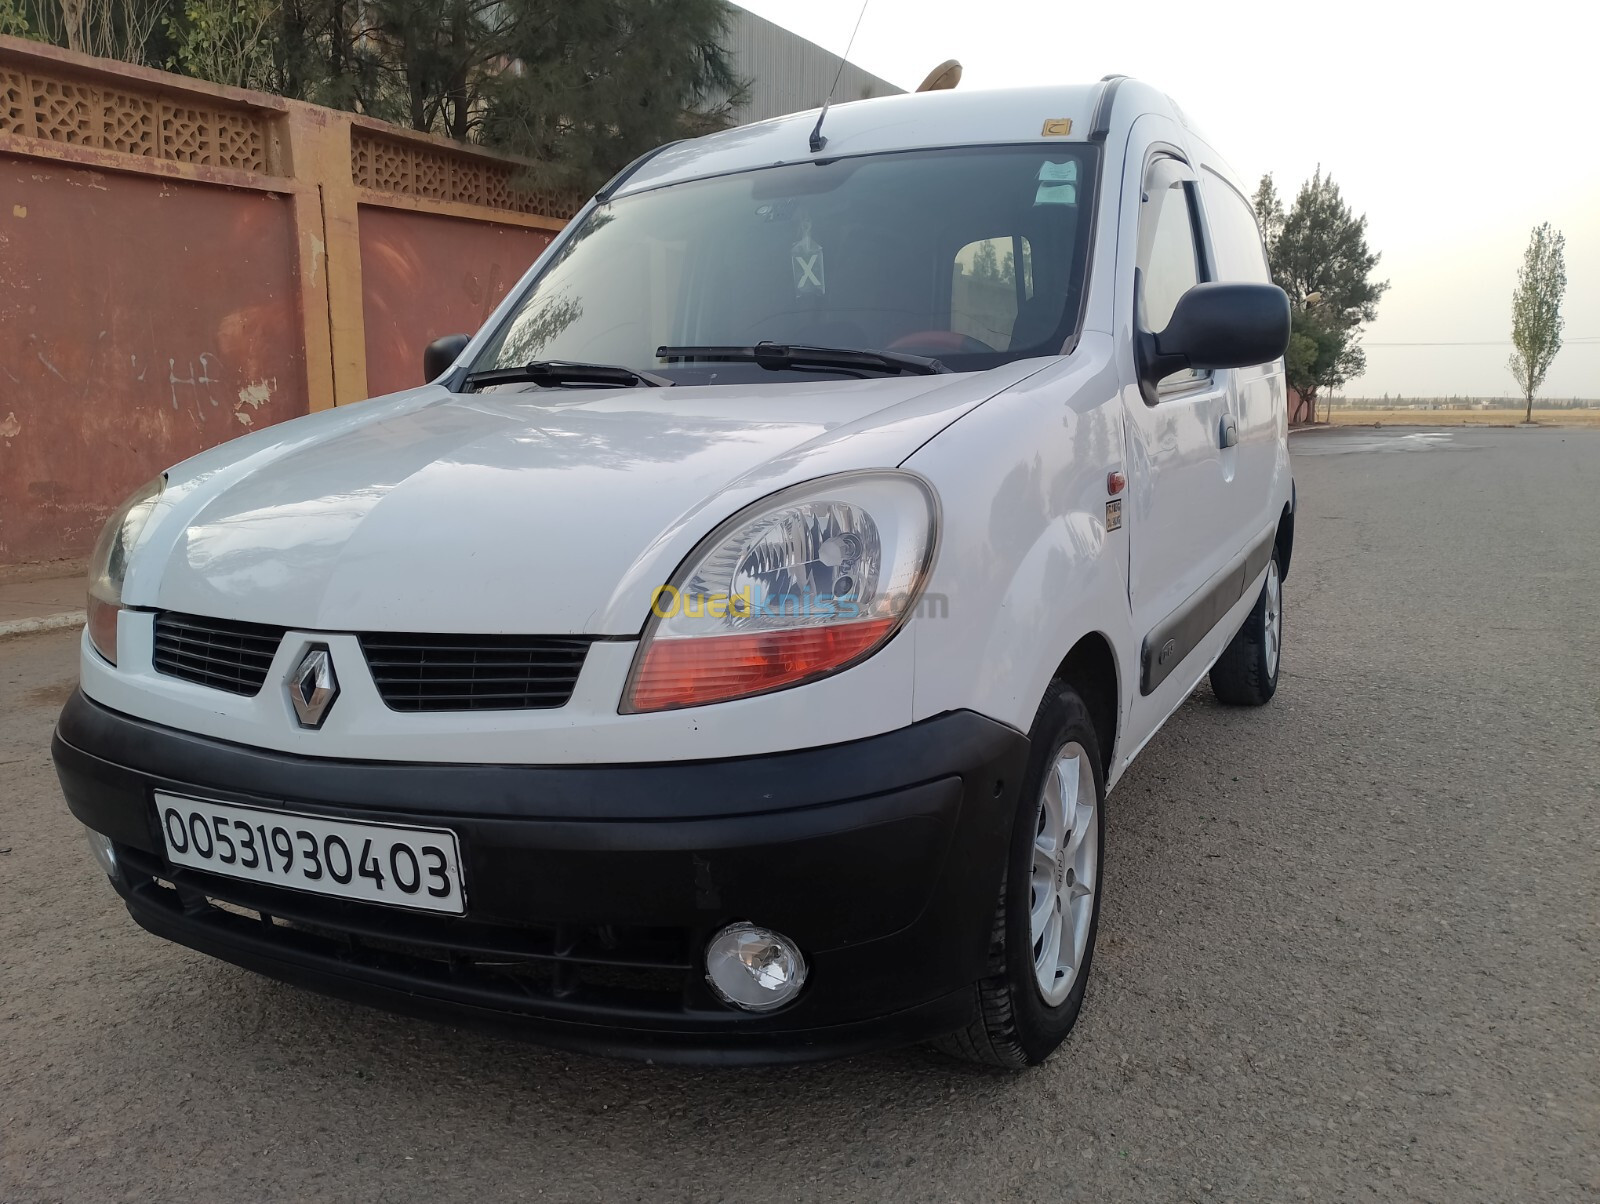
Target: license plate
350 859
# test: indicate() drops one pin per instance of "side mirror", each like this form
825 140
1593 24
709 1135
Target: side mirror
1216 325
441 353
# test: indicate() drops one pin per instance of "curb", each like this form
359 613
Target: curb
55 622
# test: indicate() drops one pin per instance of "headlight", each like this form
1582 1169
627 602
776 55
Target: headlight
109 565
798 586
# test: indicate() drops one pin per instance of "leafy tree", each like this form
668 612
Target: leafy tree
13 19
225 41
130 30
418 63
1300 368
438 55
578 87
1321 355
1318 254
326 52
1536 322
985 263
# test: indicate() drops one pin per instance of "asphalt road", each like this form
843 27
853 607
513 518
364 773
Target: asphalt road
1349 949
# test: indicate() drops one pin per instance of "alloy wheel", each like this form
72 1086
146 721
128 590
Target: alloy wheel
1066 861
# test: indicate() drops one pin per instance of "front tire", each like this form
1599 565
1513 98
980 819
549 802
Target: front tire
1049 909
1246 674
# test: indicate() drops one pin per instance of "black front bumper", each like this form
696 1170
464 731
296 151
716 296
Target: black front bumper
592 890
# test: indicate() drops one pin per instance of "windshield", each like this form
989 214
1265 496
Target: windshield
971 256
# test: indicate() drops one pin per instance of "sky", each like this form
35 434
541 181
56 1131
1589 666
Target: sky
1455 129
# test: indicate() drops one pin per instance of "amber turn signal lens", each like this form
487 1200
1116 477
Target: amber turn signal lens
103 627
689 672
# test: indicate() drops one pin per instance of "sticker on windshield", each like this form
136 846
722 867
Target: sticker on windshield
1058 183
810 280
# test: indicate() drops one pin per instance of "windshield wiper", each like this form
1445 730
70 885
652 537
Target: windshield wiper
777 356
552 374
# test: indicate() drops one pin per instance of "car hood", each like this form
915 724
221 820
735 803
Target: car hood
549 511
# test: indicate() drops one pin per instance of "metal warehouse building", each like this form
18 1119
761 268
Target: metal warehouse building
788 73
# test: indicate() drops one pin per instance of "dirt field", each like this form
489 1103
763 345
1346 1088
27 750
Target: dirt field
1340 416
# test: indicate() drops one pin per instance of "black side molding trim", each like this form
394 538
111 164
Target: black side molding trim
1176 636
1101 124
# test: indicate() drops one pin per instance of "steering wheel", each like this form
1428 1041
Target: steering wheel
937 342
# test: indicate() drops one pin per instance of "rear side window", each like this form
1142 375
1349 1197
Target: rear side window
1235 237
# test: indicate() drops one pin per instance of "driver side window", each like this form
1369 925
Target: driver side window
1169 257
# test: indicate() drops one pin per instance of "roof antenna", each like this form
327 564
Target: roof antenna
817 140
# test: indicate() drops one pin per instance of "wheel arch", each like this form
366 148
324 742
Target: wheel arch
1090 668
1283 543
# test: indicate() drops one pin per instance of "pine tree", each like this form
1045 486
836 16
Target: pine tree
1318 254
599 82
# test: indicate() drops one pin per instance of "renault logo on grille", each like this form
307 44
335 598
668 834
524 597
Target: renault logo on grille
313 686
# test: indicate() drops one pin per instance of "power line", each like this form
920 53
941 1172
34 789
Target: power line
1590 341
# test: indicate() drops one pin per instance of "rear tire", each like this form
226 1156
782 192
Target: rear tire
1246 674
1049 909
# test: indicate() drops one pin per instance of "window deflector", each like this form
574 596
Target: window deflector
1168 223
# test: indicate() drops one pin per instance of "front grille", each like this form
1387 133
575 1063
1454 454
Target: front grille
640 971
215 652
474 672
412 672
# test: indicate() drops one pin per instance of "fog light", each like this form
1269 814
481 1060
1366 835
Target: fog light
754 968
105 853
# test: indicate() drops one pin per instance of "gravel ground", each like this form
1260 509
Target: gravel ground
1348 949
